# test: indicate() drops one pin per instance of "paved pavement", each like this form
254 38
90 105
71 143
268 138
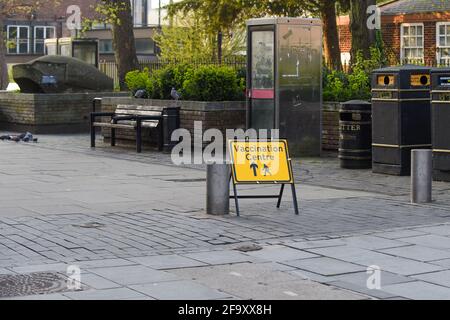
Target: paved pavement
136 226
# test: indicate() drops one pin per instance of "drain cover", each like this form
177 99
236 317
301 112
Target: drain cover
90 225
249 248
31 284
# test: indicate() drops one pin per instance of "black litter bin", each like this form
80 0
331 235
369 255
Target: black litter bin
401 117
440 106
355 135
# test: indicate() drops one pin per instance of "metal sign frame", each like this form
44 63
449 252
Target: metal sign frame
235 182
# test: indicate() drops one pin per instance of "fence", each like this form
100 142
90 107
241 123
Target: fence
110 68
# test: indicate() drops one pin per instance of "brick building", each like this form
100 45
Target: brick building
26 33
416 31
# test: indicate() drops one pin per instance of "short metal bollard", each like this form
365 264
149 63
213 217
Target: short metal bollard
421 175
218 189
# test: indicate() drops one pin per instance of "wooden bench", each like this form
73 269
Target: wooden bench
130 117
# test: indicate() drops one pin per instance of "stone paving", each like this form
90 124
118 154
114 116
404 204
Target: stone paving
136 226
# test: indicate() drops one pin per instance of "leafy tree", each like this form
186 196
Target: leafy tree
190 41
221 17
118 14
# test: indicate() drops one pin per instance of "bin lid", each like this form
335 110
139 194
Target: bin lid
358 102
406 67
355 105
440 70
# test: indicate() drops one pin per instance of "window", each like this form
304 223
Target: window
18 39
140 13
443 43
145 46
40 34
105 46
412 42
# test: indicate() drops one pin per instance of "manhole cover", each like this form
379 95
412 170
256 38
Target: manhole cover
16 285
90 225
249 248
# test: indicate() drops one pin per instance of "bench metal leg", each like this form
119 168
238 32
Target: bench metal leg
113 137
138 136
161 136
92 131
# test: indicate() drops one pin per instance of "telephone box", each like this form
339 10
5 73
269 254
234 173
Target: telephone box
284 80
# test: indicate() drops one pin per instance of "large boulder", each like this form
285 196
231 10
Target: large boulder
59 74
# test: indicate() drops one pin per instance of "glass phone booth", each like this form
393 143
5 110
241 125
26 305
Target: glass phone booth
284 80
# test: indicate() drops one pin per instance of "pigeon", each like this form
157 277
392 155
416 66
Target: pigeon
141 94
174 94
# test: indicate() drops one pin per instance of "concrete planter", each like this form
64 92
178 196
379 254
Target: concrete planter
48 113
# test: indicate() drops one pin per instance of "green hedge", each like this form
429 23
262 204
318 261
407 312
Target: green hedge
204 83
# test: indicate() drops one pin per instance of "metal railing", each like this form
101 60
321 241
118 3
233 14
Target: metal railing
110 68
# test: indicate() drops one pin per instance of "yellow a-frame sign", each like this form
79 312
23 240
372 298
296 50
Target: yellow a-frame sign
261 162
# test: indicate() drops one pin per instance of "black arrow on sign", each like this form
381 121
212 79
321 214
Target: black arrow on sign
254 166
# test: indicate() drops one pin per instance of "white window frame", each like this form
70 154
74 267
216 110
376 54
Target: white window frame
402 46
45 35
438 44
18 38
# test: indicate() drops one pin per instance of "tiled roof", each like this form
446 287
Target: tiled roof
415 6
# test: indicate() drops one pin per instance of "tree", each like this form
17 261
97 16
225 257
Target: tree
222 16
326 9
218 17
9 8
362 37
118 14
190 41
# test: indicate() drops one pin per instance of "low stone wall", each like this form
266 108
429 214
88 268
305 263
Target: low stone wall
330 126
48 113
218 115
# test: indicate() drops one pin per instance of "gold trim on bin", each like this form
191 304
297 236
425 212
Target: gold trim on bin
399 146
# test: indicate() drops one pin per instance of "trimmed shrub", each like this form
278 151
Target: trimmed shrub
206 83
137 80
212 83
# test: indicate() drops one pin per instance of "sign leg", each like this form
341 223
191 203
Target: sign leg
236 199
294 198
280 196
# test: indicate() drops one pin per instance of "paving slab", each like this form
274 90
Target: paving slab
385 262
419 290
164 262
96 282
108 294
180 290
399 234
102 263
219 257
360 278
278 253
372 242
440 278
133 275
419 253
325 266
430 240
258 281
443 230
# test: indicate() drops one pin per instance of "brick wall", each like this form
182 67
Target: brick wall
47 113
390 29
330 126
